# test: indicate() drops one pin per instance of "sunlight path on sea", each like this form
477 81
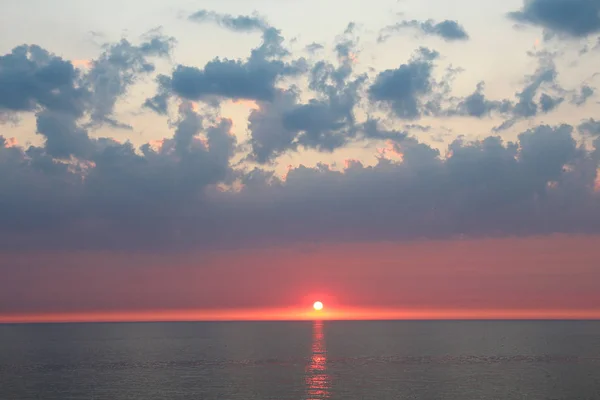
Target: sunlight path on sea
318 382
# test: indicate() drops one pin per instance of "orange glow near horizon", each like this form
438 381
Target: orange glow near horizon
297 314
509 278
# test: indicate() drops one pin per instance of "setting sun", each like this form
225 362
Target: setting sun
318 305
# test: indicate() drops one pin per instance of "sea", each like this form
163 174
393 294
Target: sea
453 360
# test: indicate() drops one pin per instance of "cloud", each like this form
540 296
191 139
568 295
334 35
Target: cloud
526 107
159 103
31 77
197 187
447 29
549 103
251 79
115 186
240 23
118 197
584 94
118 68
73 181
541 94
483 188
406 88
477 105
269 136
284 125
529 104
325 122
63 137
372 130
34 80
575 18
314 47
226 78
589 127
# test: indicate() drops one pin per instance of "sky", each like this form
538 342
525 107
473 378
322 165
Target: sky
243 159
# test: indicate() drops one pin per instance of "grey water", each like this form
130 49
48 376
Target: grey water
302 360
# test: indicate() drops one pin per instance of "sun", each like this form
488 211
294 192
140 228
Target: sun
318 306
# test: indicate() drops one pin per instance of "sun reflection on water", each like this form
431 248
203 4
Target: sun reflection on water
317 379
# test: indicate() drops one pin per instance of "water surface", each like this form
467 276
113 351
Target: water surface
302 360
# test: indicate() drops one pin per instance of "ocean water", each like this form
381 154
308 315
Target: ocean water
302 360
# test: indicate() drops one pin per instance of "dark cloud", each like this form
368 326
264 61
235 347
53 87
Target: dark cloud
350 28
406 89
74 181
271 46
284 125
417 127
269 137
549 103
240 23
529 102
159 103
328 122
447 29
540 94
78 191
314 47
483 188
111 190
272 41
318 123
568 17
584 94
526 106
31 77
545 151
253 79
188 127
63 137
325 122
226 78
477 105
589 127
118 68
372 130
166 199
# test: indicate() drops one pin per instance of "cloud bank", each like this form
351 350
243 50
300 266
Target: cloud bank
189 190
574 18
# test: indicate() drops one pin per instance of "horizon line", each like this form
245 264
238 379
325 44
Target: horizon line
158 321
302 314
